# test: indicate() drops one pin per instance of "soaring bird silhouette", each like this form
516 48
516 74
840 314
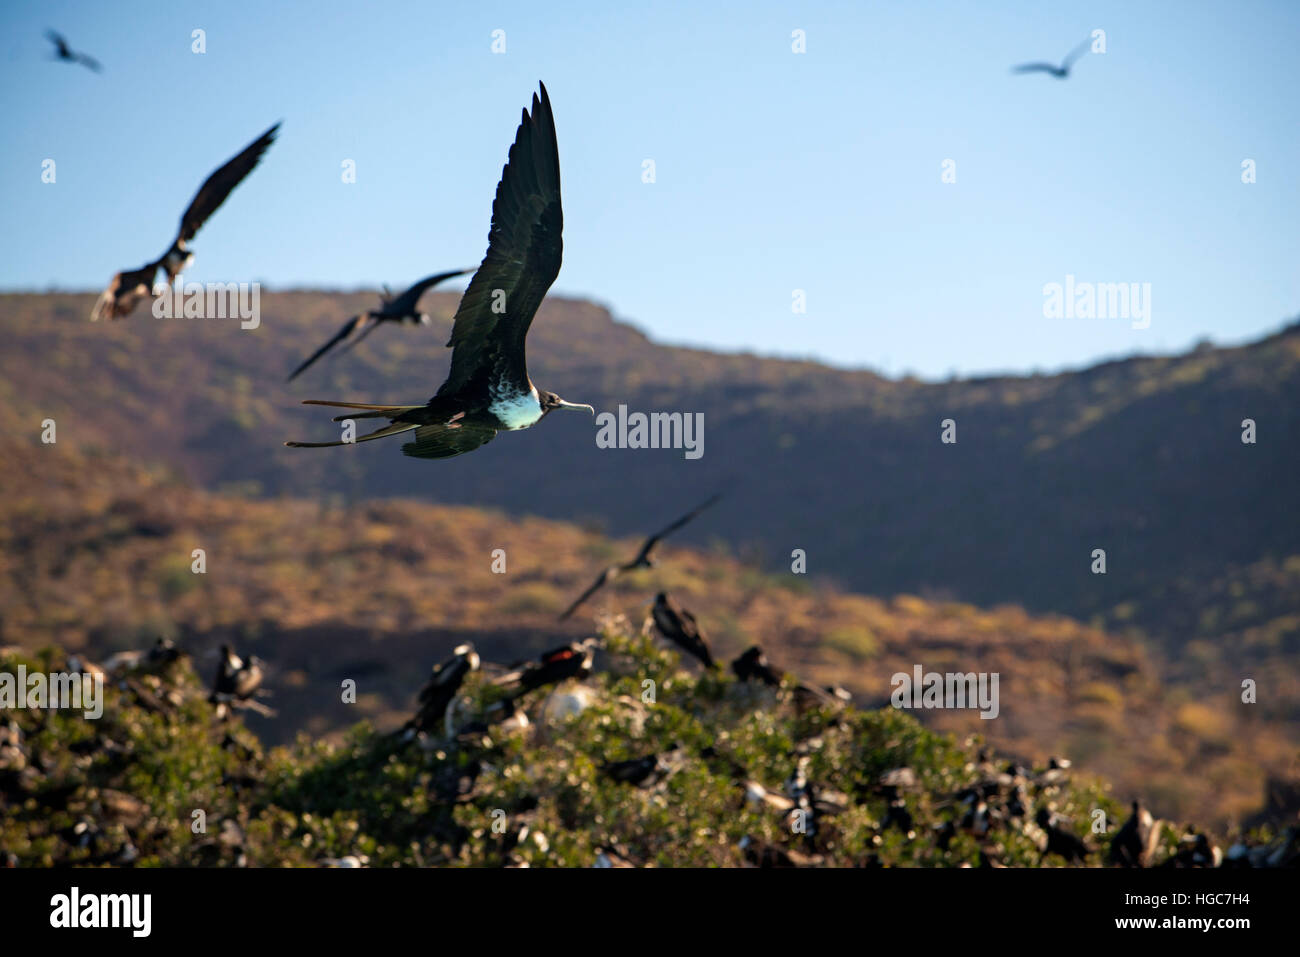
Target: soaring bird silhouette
680 627
129 286
643 558
391 309
1060 72
488 390
64 52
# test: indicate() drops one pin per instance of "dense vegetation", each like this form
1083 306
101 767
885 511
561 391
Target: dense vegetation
126 788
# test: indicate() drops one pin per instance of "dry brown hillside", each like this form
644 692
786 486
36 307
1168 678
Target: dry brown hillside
96 556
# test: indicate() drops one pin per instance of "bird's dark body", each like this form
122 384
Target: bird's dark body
64 52
395 309
1060 72
487 389
573 660
680 627
442 687
128 287
753 665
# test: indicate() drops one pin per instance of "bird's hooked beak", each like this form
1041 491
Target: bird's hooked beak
562 404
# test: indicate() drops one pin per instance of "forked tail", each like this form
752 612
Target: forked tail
373 412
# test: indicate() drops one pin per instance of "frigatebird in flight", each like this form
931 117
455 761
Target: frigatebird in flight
643 558
391 309
64 52
1060 72
680 627
128 287
488 390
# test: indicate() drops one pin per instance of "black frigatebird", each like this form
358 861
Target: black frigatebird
568 661
64 52
1135 843
753 665
1060 72
441 689
488 390
1060 840
644 771
680 627
237 683
391 309
643 558
129 286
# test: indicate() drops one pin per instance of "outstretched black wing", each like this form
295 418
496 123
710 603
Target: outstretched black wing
360 323
218 186
62 49
523 258
405 304
653 540
1077 52
1036 68
597 585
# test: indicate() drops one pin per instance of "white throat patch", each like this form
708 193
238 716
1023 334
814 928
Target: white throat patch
517 411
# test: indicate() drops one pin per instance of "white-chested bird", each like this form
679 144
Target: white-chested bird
128 287
391 309
238 684
442 687
488 390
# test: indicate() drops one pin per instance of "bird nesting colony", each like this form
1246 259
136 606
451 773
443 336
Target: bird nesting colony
609 752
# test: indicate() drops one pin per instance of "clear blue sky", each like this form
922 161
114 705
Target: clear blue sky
775 171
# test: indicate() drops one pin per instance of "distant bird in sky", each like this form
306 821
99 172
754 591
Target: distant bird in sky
680 627
391 309
129 286
488 390
643 558
1060 72
64 52
442 687
568 661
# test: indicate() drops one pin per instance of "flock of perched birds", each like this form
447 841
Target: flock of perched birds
998 801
